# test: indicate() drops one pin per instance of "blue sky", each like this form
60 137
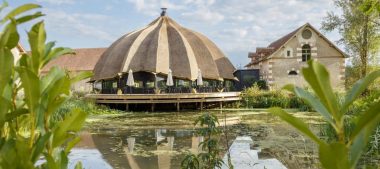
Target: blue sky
236 26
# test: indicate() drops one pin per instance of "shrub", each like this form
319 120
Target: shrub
29 100
86 105
254 97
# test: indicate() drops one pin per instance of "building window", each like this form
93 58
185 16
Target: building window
306 34
293 72
288 53
306 53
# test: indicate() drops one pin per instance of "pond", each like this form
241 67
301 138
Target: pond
161 140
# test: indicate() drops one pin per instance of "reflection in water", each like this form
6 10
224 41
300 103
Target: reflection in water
131 144
150 148
195 141
165 147
159 136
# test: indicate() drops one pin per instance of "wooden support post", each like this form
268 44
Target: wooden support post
220 105
152 107
127 107
201 105
178 108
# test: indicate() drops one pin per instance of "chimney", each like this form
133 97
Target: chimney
163 13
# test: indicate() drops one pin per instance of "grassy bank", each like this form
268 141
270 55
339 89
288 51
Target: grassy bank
77 101
254 97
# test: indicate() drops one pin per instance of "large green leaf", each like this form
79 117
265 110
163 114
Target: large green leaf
81 76
54 53
37 38
39 146
11 116
28 18
319 79
19 10
50 162
72 123
64 160
358 88
365 127
5 103
311 100
71 144
296 123
31 84
334 156
12 35
49 80
78 165
368 119
9 37
6 68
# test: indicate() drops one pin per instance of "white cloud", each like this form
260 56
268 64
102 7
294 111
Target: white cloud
152 7
204 15
239 26
236 26
58 2
82 24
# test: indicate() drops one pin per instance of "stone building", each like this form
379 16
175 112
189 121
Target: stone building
281 62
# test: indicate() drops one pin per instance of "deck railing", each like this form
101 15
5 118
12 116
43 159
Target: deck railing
133 90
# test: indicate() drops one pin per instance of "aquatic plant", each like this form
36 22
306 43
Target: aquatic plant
347 149
29 100
209 158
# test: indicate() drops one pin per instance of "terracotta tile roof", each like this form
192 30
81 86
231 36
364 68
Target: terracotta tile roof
264 52
278 43
83 59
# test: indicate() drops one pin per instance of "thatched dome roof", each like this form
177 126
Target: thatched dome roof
164 45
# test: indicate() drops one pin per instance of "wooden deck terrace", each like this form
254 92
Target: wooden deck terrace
176 98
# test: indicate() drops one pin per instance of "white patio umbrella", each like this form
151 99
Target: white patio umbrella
130 80
169 80
199 78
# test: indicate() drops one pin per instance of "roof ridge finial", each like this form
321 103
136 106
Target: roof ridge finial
163 13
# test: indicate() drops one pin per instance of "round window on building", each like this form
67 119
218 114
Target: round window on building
306 34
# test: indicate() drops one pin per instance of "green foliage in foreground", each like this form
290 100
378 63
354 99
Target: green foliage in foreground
371 155
345 152
209 158
29 100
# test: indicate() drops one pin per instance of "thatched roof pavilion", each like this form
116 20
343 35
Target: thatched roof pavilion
164 45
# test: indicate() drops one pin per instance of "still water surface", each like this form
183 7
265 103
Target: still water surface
161 140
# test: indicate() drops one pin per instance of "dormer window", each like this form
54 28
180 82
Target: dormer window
306 53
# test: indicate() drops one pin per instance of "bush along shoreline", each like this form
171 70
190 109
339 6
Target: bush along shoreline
254 97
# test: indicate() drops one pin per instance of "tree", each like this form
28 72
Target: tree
359 31
371 6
